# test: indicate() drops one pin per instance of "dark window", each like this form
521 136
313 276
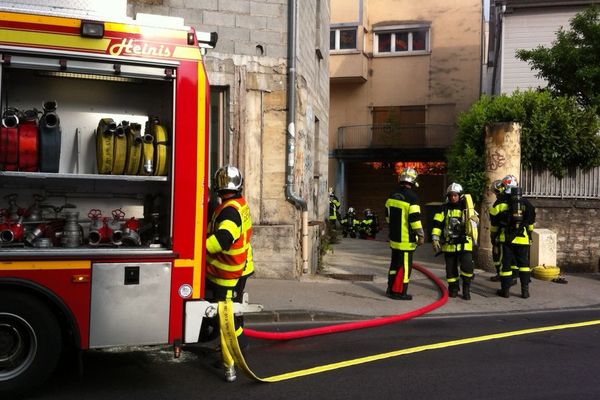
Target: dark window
385 43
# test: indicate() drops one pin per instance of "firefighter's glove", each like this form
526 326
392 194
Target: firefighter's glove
437 247
475 218
420 240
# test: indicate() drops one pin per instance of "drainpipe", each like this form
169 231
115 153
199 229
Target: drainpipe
290 158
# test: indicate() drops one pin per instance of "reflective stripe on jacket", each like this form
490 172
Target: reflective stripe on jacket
403 214
334 205
228 242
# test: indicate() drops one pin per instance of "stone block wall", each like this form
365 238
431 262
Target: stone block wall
577 225
250 62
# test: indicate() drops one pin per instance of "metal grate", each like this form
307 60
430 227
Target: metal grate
581 184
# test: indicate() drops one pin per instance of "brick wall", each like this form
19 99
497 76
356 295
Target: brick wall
577 227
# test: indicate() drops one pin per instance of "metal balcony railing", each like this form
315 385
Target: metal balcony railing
395 136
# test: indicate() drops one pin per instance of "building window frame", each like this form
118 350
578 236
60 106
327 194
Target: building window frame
408 34
338 34
218 146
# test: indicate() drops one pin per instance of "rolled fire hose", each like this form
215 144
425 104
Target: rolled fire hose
28 143
49 139
545 273
160 152
147 161
104 145
134 148
119 149
232 354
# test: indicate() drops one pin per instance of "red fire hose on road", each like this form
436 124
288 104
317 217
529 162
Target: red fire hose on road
349 326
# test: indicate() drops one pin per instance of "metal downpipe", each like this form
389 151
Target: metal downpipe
290 194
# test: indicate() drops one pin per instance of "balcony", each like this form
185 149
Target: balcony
419 141
348 66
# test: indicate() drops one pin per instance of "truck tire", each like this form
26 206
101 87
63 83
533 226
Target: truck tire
30 343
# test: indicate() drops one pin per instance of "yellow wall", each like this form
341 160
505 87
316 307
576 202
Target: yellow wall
447 80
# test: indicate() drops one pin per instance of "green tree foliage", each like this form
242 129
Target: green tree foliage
572 64
556 134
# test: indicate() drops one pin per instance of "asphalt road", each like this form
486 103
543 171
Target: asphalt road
553 364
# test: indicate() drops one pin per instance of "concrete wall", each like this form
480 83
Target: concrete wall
250 60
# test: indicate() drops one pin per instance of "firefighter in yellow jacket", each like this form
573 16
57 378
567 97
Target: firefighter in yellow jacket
449 236
403 214
512 221
228 243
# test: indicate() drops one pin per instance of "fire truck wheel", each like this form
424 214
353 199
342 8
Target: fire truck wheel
30 342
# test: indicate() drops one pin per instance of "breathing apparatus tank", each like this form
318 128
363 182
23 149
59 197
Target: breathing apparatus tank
516 206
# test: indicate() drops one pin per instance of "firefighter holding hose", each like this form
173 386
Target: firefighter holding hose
228 246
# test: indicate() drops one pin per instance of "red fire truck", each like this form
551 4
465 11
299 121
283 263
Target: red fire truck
103 188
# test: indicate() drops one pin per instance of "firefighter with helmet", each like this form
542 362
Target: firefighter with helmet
497 187
369 226
334 209
403 215
350 224
228 250
512 220
449 236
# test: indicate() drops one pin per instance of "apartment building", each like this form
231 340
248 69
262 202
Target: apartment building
400 73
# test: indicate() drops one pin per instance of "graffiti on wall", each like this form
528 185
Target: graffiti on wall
495 160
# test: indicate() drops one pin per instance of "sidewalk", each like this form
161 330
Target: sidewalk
353 282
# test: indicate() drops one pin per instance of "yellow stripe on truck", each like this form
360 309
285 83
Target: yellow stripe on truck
53 40
43 265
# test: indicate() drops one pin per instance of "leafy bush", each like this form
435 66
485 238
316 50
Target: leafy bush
556 134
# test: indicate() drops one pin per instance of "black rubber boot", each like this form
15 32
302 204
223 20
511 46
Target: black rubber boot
525 291
466 288
404 295
525 278
504 290
453 289
398 296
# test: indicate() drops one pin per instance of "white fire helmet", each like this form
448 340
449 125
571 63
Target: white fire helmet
454 188
509 182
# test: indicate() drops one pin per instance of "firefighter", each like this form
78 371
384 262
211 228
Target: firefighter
228 245
369 226
512 221
498 188
449 236
350 224
403 215
334 209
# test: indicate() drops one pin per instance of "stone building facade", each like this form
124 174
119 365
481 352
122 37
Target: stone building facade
248 71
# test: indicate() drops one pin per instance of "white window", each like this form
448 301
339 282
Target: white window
402 40
342 38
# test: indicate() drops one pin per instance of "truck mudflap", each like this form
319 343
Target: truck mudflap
196 311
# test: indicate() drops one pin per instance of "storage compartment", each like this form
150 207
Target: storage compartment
130 304
76 208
